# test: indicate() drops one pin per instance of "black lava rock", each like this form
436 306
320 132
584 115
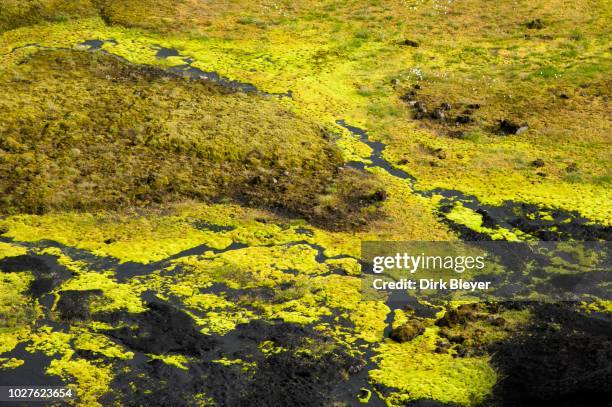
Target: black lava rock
509 127
463 119
409 43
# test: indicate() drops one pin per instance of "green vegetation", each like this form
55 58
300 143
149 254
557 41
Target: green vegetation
17 311
138 136
418 372
138 187
17 13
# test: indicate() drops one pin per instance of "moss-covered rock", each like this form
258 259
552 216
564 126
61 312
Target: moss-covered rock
407 331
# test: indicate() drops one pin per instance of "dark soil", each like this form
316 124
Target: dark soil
563 359
74 305
293 376
565 225
47 272
159 330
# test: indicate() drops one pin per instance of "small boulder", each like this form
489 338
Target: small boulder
509 127
573 167
535 24
487 219
420 110
407 331
539 163
438 114
409 96
377 196
522 130
420 107
409 43
463 119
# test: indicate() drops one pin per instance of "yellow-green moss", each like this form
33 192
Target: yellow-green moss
10 363
598 306
467 217
184 139
15 13
132 238
89 380
50 342
339 291
268 347
418 372
99 345
333 65
355 85
11 250
10 338
172 360
369 319
17 310
75 267
115 296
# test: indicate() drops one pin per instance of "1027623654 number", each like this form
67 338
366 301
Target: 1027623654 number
8 393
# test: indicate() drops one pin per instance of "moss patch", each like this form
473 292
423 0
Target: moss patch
416 371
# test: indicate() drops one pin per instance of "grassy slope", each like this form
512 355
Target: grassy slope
329 53
138 136
17 13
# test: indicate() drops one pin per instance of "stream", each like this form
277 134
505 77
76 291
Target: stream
510 216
